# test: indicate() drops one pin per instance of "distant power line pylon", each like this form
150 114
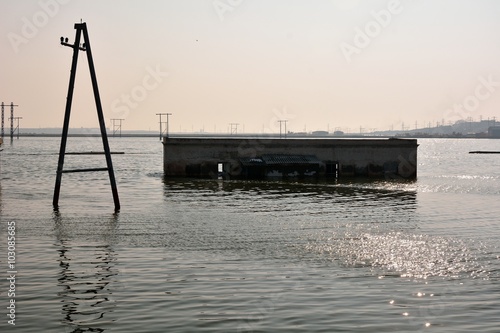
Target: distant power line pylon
117 127
281 122
234 128
14 129
12 105
163 122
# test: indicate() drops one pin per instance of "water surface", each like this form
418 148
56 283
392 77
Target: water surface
240 256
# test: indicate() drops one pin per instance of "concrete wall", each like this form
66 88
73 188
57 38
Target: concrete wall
199 157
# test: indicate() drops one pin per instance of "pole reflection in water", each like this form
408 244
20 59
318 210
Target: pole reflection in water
87 270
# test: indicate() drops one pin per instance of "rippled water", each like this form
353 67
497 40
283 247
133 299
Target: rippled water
217 256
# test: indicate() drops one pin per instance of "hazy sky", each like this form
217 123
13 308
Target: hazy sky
320 64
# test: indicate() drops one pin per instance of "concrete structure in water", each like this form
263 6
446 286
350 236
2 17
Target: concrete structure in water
264 158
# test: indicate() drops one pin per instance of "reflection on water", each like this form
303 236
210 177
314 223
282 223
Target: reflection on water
352 222
86 274
362 225
354 186
404 254
255 196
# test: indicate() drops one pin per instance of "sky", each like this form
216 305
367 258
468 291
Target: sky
351 65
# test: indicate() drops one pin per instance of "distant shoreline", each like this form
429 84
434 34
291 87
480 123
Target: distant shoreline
255 135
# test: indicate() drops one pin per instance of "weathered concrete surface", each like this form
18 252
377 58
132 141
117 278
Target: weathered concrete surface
200 157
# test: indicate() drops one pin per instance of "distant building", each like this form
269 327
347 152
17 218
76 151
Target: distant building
320 133
494 132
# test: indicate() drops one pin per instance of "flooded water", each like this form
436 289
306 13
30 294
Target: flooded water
237 256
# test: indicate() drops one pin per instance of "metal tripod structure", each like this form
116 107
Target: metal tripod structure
82 28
